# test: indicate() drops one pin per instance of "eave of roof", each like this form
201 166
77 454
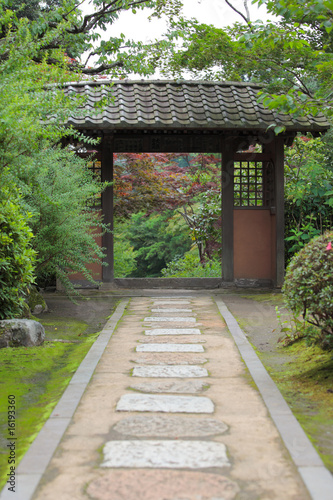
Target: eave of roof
194 105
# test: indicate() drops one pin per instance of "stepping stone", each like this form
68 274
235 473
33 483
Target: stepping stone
171 302
165 404
169 358
168 484
178 386
169 348
181 319
165 454
169 427
164 309
173 331
172 339
177 371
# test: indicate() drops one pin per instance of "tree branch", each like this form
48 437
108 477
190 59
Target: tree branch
90 20
102 67
246 19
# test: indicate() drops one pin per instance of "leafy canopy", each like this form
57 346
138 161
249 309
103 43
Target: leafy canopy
292 57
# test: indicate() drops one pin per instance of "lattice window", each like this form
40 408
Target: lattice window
248 184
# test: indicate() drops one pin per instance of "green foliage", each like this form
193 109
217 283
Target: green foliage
59 191
292 57
204 222
308 192
308 286
55 184
190 266
293 328
156 239
16 255
38 376
124 254
63 26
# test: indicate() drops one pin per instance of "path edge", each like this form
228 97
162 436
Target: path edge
317 478
35 461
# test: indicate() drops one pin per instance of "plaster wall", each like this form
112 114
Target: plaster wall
253 243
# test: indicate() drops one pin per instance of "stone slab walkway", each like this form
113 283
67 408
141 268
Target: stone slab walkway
172 413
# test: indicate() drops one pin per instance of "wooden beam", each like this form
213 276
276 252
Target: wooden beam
276 149
279 200
228 151
251 157
107 206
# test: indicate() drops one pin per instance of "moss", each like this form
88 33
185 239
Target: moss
273 297
37 376
305 380
35 299
304 376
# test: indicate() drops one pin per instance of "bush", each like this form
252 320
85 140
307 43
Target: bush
16 256
156 240
308 286
60 191
190 266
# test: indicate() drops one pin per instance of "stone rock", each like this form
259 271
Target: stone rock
174 339
179 387
21 332
171 302
5 337
168 484
38 309
166 404
165 454
171 371
169 348
169 427
173 331
170 310
36 303
167 319
169 358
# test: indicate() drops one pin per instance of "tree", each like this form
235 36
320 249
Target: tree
147 182
40 49
187 183
16 255
308 192
291 57
66 28
59 191
156 240
34 8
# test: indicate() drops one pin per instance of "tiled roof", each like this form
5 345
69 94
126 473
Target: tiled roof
180 105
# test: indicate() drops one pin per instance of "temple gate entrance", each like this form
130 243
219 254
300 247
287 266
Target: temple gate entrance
210 117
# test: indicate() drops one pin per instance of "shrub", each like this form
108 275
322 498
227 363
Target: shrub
16 256
190 266
308 286
59 191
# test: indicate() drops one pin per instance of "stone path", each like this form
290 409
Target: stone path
171 413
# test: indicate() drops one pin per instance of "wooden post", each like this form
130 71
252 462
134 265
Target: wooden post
107 206
227 210
279 201
276 150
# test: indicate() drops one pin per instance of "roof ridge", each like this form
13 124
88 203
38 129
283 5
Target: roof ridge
225 83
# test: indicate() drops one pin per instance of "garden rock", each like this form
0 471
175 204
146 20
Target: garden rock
36 302
21 332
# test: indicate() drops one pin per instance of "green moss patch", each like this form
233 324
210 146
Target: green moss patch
304 374
305 380
37 377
